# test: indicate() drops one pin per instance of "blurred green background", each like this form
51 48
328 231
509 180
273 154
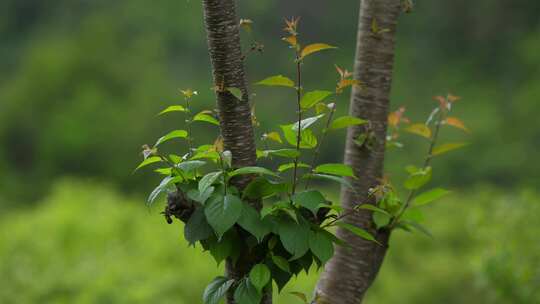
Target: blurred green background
81 82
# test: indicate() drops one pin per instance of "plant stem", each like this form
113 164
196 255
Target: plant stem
323 136
188 123
299 131
441 116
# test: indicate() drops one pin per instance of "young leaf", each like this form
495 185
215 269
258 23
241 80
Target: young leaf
287 153
216 290
300 296
346 121
171 135
333 178
306 123
206 116
274 136
288 166
321 246
162 187
419 129
148 161
175 108
381 219
259 276
444 148
222 212
335 169
430 196
253 170
315 47
311 199
197 227
278 80
251 221
372 208
190 165
281 262
312 98
357 231
207 180
307 139
457 123
419 227
236 92
418 179
246 293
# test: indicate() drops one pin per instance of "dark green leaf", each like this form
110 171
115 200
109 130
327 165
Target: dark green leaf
251 221
430 196
321 246
216 290
281 262
311 199
171 135
197 227
259 188
259 276
222 212
287 153
207 180
335 169
289 166
294 237
252 170
197 196
190 165
246 293
162 187
346 121
340 180
312 98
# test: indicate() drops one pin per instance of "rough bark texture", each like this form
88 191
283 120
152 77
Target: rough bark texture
351 271
223 38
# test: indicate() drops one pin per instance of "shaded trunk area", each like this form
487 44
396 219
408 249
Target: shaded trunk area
223 38
349 274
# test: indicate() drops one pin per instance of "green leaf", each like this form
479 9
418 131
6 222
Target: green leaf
315 47
207 180
197 227
335 169
251 221
357 231
321 246
175 108
171 135
281 262
288 166
418 179
190 165
259 276
294 237
246 293
430 196
236 92
278 80
216 290
444 148
200 197
413 214
307 139
206 117
372 208
418 227
306 123
300 295
252 170
259 188
223 248
333 178
287 153
148 161
381 219
312 98
222 212
419 129
311 199
162 187
346 121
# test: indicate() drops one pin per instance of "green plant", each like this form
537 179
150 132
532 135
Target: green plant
273 225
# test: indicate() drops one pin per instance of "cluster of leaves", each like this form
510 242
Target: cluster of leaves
271 224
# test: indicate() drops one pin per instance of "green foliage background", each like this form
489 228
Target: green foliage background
80 85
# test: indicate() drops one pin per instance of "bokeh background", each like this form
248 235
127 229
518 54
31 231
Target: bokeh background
81 82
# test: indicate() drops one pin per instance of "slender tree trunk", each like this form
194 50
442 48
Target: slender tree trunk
351 271
223 38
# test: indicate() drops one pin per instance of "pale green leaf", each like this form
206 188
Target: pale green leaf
430 196
444 148
346 121
312 98
259 276
335 169
171 135
175 108
278 80
313 48
216 290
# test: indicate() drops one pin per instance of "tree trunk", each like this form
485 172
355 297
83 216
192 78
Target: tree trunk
351 271
223 38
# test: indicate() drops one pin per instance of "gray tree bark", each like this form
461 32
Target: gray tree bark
349 274
222 28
